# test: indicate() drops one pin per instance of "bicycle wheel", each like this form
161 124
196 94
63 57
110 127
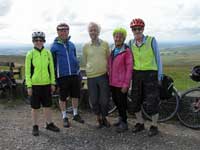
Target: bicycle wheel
167 107
111 106
189 113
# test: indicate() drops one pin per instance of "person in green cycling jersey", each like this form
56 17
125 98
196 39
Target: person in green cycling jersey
40 81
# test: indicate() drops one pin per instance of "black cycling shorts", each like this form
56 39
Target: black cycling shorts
69 86
41 95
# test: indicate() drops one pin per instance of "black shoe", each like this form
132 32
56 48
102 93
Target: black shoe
122 127
153 131
35 131
78 118
52 127
138 127
118 122
66 123
105 122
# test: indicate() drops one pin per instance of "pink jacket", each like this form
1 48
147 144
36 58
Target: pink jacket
120 67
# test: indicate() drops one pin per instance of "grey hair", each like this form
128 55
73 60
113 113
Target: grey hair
91 24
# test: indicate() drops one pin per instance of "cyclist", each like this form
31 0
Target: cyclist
40 80
147 75
67 72
120 73
95 57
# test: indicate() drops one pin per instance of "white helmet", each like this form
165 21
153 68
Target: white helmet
38 34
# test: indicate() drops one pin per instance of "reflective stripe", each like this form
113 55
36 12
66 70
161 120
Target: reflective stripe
58 71
68 60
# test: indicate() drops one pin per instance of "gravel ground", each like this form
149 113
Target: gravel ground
15 133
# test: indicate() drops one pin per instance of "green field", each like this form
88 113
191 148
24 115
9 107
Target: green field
178 64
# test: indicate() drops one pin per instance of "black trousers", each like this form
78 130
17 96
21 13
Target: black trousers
145 91
120 100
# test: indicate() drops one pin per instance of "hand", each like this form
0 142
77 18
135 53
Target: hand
29 90
53 89
124 90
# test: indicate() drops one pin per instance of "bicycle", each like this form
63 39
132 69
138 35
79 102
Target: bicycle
169 100
7 84
189 110
186 106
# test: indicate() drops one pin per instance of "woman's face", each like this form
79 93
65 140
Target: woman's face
118 39
38 43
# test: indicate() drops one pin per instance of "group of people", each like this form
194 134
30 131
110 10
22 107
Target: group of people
136 65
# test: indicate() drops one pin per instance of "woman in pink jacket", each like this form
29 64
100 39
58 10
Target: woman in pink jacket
120 72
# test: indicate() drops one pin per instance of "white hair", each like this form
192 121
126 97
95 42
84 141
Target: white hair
93 24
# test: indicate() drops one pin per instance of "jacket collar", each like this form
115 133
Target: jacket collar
59 41
122 49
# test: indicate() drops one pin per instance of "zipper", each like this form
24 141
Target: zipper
68 59
41 65
140 58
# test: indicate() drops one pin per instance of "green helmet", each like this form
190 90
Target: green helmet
120 30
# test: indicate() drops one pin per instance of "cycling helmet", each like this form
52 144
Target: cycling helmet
120 30
195 73
38 34
137 22
62 26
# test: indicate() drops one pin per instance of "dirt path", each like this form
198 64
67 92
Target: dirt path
15 133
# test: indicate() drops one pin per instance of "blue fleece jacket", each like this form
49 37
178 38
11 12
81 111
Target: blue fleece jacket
65 59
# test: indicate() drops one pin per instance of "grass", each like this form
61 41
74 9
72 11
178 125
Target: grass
180 74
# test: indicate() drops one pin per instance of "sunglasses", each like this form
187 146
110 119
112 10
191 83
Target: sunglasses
137 28
62 30
38 41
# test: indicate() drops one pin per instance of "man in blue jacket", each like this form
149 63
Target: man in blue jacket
67 72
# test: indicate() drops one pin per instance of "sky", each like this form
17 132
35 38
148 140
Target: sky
166 20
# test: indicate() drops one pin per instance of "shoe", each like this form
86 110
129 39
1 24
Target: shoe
138 127
153 131
118 122
122 127
105 122
78 118
35 131
52 127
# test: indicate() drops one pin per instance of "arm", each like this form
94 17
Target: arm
53 53
51 67
129 68
84 55
28 69
158 58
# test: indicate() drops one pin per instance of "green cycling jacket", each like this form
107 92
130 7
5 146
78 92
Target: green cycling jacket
41 64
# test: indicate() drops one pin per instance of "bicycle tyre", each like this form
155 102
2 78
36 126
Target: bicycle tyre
167 107
111 105
187 113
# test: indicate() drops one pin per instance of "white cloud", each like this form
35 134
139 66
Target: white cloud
166 20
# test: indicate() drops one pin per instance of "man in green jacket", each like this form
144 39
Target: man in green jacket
40 80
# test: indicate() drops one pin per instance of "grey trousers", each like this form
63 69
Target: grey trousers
99 94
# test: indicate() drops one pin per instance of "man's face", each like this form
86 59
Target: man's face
63 33
38 43
137 32
119 39
93 32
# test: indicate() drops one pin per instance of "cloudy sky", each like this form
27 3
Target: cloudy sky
167 20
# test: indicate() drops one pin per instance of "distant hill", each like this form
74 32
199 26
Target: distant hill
166 47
